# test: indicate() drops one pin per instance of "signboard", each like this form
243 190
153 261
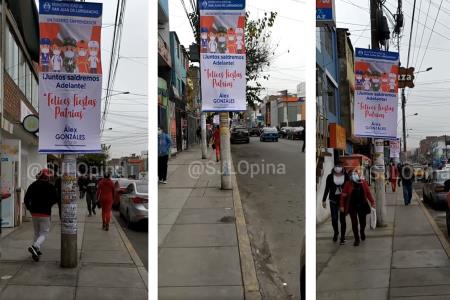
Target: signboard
405 77
222 55
394 148
376 93
325 12
338 138
70 77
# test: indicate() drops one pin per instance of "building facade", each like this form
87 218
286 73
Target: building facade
164 64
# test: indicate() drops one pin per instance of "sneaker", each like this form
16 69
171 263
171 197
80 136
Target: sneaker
356 243
335 237
164 181
363 236
342 242
106 227
34 253
90 215
93 211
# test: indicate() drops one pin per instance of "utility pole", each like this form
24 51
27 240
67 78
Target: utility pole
378 168
69 199
225 152
202 114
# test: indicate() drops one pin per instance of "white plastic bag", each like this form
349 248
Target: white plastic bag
373 218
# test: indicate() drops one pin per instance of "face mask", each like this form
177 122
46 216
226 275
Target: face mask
204 36
222 39
355 177
69 54
45 50
338 169
93 53
160 131
57 52
82 53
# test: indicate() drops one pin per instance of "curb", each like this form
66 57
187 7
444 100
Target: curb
137 261
442 239
251 284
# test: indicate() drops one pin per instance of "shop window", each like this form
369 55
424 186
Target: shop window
22 72
331 97
34 97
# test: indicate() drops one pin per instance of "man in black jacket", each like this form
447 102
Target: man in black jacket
39 199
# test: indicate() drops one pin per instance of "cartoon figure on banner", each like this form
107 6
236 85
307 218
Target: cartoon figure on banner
203 39
56 61
212 45
69 55
93 59
45 54
392 84
222 40
359 80
376 82
385 83
231 41
82 59
239 40
367 85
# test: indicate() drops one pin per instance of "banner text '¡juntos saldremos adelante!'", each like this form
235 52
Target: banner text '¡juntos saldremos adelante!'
61 106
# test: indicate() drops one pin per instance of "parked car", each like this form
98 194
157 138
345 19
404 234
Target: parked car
134 203
419 172
255 131
269 134
434 188
120 185
447 210
284 131
295 133
239 135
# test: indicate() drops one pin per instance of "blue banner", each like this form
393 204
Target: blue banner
324 14
376 54
73 9
222 4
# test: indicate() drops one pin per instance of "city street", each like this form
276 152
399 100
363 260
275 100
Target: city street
274 208
138 236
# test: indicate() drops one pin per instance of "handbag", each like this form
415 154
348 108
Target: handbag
373 218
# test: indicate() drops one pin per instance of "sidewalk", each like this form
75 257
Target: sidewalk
108 267
405 260
199 256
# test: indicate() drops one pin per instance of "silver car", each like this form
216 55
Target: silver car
434 188
134 202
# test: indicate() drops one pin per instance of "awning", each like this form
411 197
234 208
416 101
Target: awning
27 18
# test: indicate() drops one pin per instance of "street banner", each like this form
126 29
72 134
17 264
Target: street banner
325 14
376 93
394 148
70 77
222 55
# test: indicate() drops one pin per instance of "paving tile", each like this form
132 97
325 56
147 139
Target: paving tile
95 293
45 273
109 276
27 292
201 293
205 215
420 277
420 259
201 235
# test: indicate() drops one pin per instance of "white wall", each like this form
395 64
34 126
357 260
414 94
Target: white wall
321 213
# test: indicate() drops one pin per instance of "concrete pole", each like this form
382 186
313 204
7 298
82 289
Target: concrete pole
2 92
203 141
378 167
225 152
69 198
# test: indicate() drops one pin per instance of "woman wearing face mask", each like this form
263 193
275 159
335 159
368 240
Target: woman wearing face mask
333 188
164 144
356 200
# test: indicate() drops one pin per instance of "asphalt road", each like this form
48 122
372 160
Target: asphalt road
138 237
270 177
438 214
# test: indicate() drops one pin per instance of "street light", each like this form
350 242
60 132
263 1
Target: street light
423 71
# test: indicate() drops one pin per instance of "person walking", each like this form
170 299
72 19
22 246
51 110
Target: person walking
407 176
164 144
91 192
82 185
356 200
216 142
303 138
393 175
334 183
106 195
39 199
199 135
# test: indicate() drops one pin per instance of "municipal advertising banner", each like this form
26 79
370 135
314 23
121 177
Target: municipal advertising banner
70 77
376 93
394 148
222 55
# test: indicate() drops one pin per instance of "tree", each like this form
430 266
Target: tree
259 50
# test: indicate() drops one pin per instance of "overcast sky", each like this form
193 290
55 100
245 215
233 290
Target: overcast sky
288 63
127 116
430 96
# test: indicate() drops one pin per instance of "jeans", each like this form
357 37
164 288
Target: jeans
91 202
335 215
356 215
162 167
407 193
41 229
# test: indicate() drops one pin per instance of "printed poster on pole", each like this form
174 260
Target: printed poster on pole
70 77
394 148
376 93
222 55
